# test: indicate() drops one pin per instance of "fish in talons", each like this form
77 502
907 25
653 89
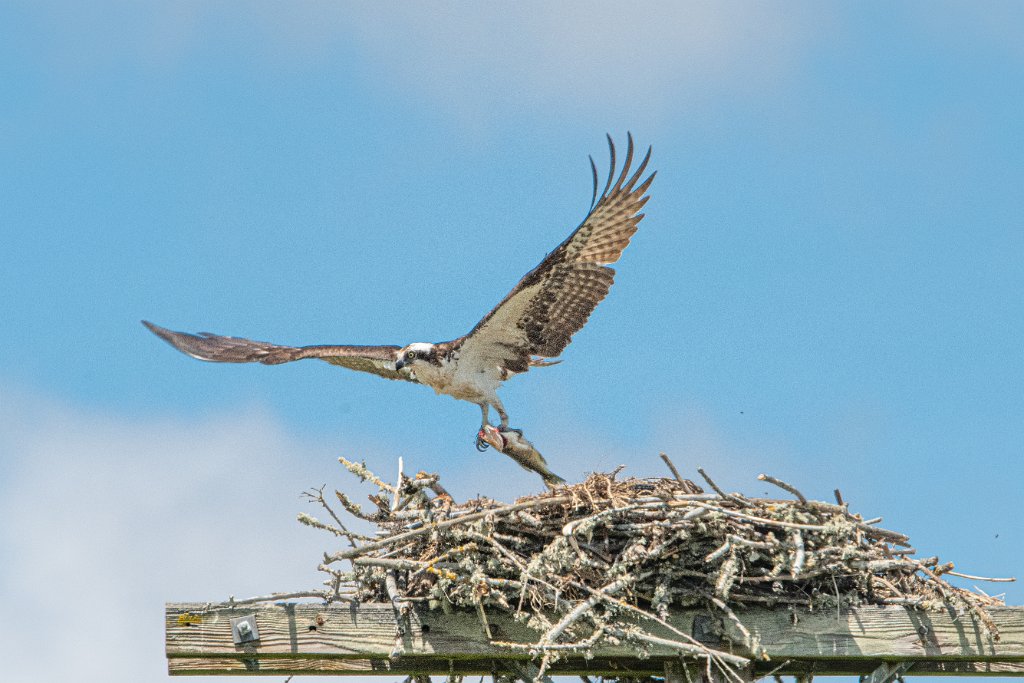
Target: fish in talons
512 443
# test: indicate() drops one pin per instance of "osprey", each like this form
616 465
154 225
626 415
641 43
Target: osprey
534 323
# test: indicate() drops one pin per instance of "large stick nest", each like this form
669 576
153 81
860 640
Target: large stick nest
572 560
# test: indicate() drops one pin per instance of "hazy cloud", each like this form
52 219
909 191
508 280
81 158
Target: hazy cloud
582 56
472 58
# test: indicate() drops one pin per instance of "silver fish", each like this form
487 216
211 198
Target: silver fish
512 443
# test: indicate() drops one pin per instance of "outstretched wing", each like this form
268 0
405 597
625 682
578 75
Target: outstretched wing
379 360
554 300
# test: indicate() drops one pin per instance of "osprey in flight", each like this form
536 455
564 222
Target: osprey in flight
535 322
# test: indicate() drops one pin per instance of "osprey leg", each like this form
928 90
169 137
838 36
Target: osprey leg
481 443
485 411
501 412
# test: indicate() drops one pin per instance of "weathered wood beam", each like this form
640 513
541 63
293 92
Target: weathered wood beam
310 638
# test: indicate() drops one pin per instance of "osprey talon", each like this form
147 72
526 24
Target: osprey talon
481 445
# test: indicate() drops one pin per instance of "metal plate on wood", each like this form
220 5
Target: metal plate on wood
243 629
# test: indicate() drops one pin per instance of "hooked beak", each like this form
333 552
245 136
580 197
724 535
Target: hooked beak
399 364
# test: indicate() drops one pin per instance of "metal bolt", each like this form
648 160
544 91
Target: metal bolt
244 629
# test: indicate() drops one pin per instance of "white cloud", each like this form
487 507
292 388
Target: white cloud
103 519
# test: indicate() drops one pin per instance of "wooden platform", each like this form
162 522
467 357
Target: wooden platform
343 640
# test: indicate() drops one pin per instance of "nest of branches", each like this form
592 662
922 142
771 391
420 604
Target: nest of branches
572 561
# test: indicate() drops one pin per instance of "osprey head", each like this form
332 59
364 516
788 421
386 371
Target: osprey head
416 353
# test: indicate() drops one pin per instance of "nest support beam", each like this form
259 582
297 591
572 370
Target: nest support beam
879 643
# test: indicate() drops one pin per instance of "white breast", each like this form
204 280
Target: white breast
460 380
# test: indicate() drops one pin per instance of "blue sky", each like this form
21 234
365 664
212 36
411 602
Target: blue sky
827 286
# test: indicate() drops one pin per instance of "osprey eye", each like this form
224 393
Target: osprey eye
410 355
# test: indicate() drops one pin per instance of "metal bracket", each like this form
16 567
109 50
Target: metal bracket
243 629
887 672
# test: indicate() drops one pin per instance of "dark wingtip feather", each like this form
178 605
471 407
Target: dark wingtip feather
161 332
593 168
646 184
626 164
611 168
639 171
179 340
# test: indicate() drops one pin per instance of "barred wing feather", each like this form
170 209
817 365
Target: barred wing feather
553 301
378 360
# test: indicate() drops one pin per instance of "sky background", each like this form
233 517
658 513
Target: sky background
827 286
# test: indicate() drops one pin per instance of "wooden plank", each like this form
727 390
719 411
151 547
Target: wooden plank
310 638
405 666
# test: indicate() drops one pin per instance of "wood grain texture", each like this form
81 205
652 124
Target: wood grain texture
310 638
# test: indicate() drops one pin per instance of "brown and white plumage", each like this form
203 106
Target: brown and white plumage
380 360
535 322
554 300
